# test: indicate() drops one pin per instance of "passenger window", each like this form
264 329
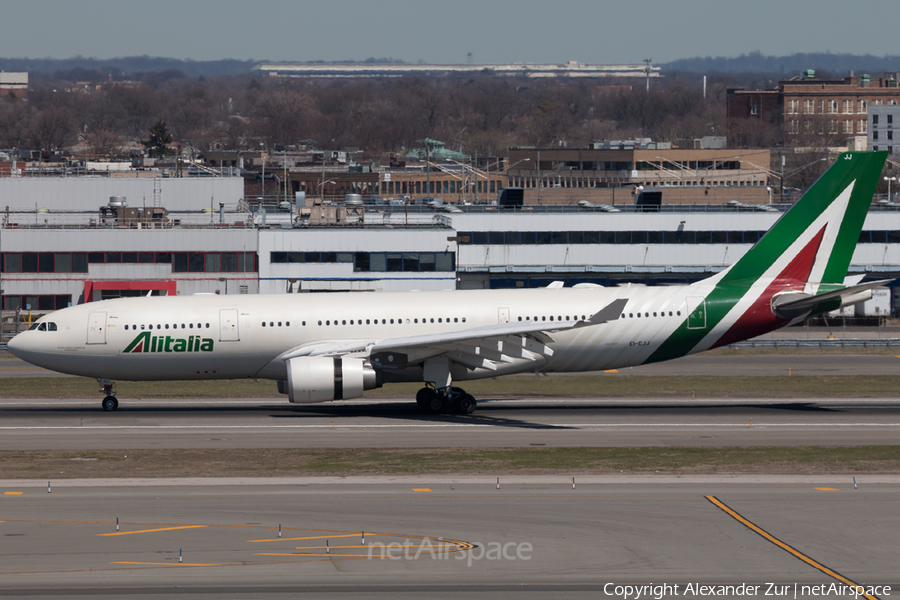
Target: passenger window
279 323
344 322
392 321
207 325
456 319
328 323
271 324
367 321
679 313
263 323
287 323
167 326
551 317
126 328
520 318
320 323
432 319
654 314
384 321
464 319
182 325
543 318
415 320
191 325
630 315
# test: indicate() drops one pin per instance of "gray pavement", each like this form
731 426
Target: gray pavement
858 363
250 423
556 540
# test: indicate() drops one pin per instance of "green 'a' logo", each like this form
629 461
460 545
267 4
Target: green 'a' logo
146 342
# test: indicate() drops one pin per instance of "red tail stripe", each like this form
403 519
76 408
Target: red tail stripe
759 319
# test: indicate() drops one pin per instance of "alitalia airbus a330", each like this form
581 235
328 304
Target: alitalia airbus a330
321 347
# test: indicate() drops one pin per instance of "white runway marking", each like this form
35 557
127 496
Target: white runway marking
443 425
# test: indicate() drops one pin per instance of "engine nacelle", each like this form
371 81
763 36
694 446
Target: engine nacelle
320 378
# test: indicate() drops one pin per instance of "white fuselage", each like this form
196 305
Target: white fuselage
231 337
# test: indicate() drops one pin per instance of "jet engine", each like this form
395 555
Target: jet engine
321 378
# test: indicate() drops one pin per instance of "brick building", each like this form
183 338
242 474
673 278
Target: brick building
808 109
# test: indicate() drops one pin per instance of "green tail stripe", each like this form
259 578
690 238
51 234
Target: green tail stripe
863 167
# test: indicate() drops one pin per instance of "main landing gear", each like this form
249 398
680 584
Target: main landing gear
109 401
452 400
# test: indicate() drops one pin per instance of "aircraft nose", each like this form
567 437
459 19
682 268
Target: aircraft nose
15 346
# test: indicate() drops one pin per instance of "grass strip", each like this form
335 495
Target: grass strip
592 386
267 462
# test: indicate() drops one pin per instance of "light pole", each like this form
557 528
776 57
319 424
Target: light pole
889 180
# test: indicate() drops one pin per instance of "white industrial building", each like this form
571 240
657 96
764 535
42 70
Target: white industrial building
57 257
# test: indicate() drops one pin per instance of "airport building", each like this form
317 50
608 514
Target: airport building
72 240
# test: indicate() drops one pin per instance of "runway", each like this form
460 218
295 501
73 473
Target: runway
553 422
769 364
532 538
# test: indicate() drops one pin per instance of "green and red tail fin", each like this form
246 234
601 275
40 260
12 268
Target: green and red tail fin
806 252
814 241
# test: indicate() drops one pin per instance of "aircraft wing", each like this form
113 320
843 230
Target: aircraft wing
476 347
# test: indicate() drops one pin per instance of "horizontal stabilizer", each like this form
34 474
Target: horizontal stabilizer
794 305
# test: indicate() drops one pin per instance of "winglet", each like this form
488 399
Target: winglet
610 312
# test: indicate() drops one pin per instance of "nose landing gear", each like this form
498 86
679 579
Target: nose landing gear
109 401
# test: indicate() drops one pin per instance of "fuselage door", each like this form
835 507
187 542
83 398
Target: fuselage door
96 333
503 315
696 307
228 325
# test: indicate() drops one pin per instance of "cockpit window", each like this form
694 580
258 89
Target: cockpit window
42 327
33 327
51 326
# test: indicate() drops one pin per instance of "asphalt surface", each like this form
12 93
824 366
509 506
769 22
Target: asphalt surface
533 538
249 423
697 364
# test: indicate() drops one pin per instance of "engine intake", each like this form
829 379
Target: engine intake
321 379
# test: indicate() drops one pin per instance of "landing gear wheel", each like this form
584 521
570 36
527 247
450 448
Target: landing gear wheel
423 396
437 404
430 401
467 404
110 403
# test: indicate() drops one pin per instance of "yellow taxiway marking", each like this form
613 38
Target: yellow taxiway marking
828 489
123 562
366 546
151 530
421 489
314 537
768 536
12 493
611 371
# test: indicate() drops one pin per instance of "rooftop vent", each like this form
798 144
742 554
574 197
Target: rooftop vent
809 74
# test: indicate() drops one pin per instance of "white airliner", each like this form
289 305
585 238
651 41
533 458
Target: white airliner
322 347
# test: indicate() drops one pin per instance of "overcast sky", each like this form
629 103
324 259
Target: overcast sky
545 31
